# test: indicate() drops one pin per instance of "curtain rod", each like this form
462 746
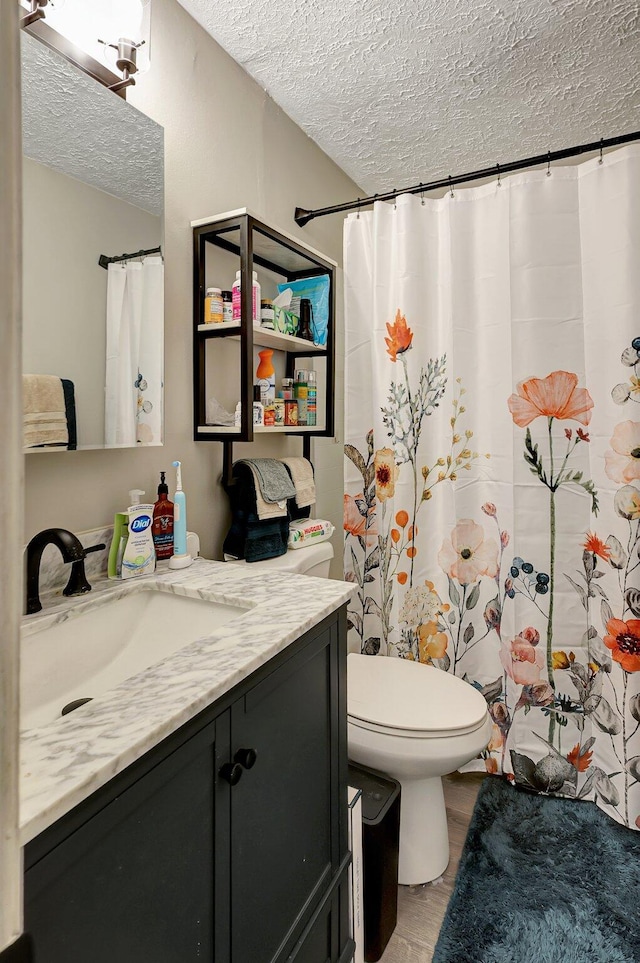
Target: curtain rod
303 216
105 261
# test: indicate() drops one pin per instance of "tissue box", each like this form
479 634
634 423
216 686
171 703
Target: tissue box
285 321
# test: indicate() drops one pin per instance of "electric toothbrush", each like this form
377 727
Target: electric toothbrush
181 557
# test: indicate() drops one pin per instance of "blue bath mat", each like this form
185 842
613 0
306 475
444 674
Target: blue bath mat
543 880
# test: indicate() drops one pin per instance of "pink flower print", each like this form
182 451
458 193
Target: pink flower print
556 396
469 554
522 661
622 460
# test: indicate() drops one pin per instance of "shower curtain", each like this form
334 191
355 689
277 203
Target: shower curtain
492 481
135 346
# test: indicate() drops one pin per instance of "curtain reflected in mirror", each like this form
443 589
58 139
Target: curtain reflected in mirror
93 342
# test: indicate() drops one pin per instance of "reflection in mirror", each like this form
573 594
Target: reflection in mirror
93 342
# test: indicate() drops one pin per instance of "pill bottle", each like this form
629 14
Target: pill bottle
236 299
213 306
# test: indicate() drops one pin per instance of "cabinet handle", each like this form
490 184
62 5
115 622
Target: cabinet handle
246 758
232 773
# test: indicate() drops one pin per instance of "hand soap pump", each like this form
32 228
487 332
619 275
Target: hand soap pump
180 558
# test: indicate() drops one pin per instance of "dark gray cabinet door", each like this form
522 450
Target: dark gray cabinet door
284 809
135 882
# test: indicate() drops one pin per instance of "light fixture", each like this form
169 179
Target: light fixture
108 39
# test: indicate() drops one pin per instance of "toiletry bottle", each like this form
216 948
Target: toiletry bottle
258 407
301 391
180 558
139 556
312 398
227 306
118 542
266 377
163 522
236 300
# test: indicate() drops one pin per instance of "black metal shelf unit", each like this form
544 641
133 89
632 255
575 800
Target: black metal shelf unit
256 245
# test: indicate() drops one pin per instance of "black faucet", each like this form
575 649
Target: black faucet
71 549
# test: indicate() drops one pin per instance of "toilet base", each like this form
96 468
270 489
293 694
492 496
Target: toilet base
424 836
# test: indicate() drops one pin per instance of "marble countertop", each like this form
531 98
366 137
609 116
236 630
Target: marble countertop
63 763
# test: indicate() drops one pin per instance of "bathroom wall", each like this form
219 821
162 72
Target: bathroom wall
227 145
10 470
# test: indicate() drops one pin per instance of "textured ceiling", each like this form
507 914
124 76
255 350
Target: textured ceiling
400 93
73 124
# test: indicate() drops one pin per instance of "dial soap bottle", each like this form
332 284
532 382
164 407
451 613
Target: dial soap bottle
139 556
163 522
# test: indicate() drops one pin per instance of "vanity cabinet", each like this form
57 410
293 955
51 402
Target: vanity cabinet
226 843
235 241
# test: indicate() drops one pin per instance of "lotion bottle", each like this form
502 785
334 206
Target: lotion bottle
163 522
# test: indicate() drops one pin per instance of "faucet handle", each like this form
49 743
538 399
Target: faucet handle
78 584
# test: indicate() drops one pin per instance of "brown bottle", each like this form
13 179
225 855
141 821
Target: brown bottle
162 527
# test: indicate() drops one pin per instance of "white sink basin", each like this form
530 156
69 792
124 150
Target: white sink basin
100 646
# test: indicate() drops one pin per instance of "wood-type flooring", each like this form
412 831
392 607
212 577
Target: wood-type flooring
421 908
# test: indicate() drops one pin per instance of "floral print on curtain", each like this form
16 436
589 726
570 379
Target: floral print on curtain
441 629
525 581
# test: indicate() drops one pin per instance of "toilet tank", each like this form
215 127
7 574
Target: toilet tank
312 560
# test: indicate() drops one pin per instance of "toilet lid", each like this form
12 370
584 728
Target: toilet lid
401 694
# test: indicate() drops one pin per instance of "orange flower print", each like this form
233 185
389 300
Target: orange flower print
400 337
402 518
386 473
597 547
556 396
491 765
354 521
580 758
623 638
622 460
469 554
432 644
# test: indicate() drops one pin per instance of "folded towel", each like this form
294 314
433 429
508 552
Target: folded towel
266 509
266 539
274 481
301 471
44 411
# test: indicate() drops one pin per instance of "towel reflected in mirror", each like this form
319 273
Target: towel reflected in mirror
49 412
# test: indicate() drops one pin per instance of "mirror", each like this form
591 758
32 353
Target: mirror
93 184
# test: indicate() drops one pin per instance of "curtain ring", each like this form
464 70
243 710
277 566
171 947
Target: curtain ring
548 163
601 160
421 194
395 199
358 214
499 179
450 186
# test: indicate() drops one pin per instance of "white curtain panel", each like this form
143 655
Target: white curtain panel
492 481
133 391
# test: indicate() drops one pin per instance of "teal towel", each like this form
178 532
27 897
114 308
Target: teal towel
275 481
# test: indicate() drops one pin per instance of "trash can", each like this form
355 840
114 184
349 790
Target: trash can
380 840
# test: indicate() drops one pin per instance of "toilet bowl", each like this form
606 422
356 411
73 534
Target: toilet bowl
311 560
416 723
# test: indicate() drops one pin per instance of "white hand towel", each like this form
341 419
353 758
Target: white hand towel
44 411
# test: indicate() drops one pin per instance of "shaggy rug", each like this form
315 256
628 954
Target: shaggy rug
543 880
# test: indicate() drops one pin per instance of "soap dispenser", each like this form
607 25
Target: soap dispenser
163 522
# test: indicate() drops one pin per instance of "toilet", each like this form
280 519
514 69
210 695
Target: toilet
416 723
311 560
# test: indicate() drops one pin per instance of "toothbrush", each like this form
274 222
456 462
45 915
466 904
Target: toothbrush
179 515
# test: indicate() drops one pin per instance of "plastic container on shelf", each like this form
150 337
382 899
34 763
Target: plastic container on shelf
213 306
266 376
236 299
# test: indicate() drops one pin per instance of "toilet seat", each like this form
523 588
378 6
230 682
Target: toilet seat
404 698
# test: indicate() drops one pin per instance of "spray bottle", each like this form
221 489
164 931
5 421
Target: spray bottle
180 558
